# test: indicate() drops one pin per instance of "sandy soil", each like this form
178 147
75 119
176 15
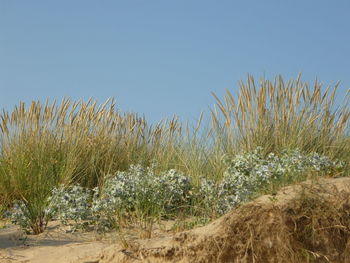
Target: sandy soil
59 245
55 245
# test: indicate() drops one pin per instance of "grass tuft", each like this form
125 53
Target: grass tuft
44 145
279 115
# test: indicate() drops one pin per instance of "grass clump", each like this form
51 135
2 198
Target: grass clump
136 194
143 196
48 145
279 115
29 170
74 142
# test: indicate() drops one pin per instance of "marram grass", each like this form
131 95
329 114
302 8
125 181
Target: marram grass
48 144
278 115
142 194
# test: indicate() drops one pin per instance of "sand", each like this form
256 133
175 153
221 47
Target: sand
53 246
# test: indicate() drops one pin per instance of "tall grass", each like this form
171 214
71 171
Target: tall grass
280 115
47 144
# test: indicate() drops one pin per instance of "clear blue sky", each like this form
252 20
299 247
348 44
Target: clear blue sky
164 57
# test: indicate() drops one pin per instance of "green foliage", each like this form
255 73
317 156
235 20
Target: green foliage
142 192
47 145
28 172
250 173
279 115
146 196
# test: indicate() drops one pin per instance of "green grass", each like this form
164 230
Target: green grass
278 115
47 144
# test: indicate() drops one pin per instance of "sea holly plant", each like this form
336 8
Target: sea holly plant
70 203
64 204
32 217
137 192
142 193
21 214
174 190
247 173
141 190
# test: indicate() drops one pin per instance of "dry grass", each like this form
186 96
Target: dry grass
313 227
47 144
80 142
100 140
278 115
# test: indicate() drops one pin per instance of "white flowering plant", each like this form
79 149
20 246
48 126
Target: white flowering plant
19 215
137 190
70 203
247 173
25 215
145 193
141 190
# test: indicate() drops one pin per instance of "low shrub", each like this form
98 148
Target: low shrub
70 203
145 194
141 190
250 173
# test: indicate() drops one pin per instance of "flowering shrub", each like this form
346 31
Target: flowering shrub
247 173
140 190
19 215
64 204
70 203
174 189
